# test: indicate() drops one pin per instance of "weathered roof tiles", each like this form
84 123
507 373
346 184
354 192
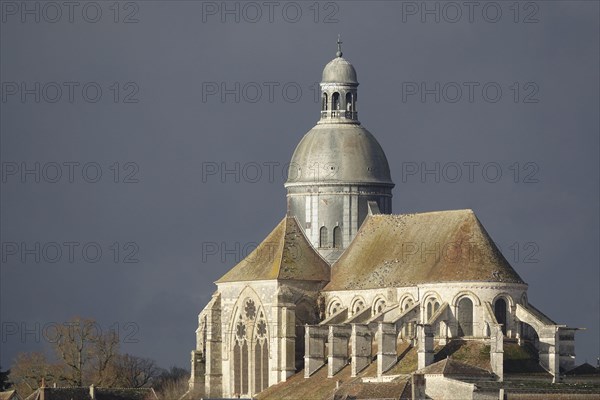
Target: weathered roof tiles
285 254
410 249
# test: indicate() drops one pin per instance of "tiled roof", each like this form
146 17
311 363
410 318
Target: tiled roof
7 395
584 369
381 390
409 249
286 254
125 394
83 393
450 367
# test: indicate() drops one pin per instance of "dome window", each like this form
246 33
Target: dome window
337 237
349 102
324 102
323 240
335 101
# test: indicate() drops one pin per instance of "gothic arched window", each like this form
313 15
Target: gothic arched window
357 306
407 330
465 317
240 358
432 306
334 307
379 306
500 313
261 358
249 348
407 304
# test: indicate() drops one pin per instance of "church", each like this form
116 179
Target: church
341 283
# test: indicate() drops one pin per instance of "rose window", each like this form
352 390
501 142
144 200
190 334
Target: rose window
250 309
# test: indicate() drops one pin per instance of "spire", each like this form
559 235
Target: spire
339 47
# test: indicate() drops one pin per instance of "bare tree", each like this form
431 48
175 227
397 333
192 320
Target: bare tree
85 355
173 383
29 369
174 390
4 382
85 350
134 372
104 353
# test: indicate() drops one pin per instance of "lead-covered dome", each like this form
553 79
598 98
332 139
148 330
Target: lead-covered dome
338 174
339 70
339 153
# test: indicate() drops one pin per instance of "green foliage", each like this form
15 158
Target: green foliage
521 359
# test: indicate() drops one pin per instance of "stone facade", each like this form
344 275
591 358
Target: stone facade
440 293
342 281
250 339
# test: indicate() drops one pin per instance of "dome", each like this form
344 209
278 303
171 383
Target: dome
339 154
339 70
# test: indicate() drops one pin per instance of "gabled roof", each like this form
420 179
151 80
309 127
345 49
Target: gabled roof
286 254
380 390
9 395
83 393
409 249
125 394
451 367
584 369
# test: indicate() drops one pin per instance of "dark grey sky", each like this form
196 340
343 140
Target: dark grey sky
542 55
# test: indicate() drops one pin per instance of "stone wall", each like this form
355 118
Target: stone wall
248 314
442 292
441 388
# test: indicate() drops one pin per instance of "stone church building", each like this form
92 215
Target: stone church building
341 280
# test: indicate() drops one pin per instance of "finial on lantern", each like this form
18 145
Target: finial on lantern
339 47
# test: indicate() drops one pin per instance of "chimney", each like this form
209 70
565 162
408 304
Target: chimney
43 390
92 392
